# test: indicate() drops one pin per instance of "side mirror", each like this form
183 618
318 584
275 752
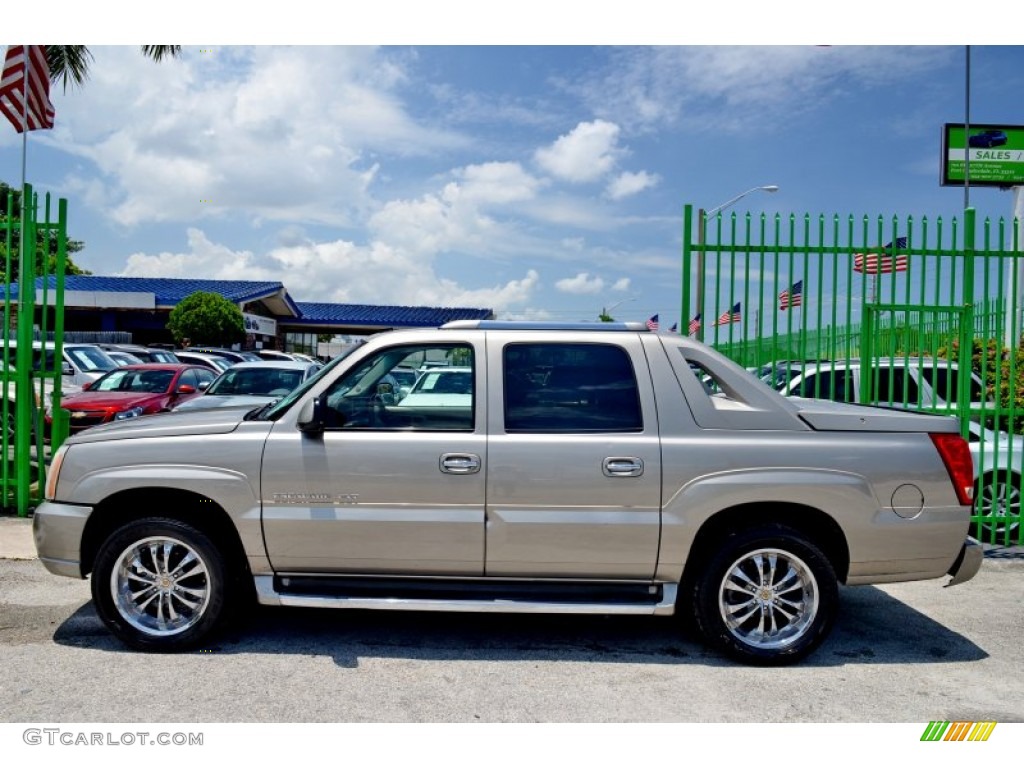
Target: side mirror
66 369
186 389
204 385
311 417
86 385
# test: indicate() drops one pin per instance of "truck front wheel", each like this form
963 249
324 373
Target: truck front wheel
768 597
159 585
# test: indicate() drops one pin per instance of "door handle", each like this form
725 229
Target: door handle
623 466
460 463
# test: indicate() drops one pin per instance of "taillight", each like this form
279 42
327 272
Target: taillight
957 458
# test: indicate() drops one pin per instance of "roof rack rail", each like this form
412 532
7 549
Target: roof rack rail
543 325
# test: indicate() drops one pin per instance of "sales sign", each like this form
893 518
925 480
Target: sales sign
995 152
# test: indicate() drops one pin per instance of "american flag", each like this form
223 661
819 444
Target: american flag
674 328
694 324
874 264
792 297
652 323
730 316
26 65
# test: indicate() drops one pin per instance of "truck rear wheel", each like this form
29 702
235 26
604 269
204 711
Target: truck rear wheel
768 597
159 585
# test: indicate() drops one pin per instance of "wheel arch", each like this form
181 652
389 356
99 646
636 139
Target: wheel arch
190 507
818 526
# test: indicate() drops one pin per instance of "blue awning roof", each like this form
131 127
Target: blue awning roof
168 291
373 315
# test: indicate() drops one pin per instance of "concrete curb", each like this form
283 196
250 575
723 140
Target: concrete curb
16 542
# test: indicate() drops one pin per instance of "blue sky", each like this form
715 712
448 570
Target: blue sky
540 181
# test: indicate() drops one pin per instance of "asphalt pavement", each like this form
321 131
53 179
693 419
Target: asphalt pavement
913 652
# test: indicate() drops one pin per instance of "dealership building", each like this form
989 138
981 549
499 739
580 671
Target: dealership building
136 309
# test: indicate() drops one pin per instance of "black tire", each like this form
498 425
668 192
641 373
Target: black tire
997 499
782 617
160 585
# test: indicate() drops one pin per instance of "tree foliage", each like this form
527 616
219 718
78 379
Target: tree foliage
206 319
69 64
46 241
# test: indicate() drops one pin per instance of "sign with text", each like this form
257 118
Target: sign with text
996 154
261 325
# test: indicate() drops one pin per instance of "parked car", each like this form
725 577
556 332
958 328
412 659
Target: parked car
123 358
144 354
999 460
451 386
274 354
80 363
134 390
234 355
42 395
252 384
213 362
918 382
591 472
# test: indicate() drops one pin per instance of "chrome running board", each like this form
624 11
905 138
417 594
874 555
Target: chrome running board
266 594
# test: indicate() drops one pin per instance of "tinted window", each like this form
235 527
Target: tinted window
944 380
894 386
827 385
570 388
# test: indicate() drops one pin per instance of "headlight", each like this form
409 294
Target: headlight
131 413
50 490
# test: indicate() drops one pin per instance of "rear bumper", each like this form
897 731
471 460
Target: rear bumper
967 563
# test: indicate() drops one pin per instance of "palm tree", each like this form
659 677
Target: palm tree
70 63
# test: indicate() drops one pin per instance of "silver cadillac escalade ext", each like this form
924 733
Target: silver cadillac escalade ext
586 468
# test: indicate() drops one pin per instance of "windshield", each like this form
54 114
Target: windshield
275 410
270 382
132 380
90 358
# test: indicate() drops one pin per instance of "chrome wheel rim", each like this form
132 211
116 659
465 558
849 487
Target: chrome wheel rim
768 599
997 500
160 586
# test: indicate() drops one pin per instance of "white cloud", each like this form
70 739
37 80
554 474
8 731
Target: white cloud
336 271
494 183
622 284
585 154
731 88
582 283
629 183
251 133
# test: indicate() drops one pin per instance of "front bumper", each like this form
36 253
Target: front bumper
967 563
57 530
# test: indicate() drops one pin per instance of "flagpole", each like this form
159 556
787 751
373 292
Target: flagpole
24 161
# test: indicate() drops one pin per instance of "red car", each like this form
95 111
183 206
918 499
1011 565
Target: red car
135 390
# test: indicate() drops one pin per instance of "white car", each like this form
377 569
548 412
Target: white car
920 382
997 492
252 384
451 386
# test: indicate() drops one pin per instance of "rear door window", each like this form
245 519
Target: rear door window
570 388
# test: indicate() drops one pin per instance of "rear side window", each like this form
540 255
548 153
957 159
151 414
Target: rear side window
944 380
827 385
570 388
895 386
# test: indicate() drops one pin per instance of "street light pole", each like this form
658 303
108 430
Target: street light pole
606 312
701 216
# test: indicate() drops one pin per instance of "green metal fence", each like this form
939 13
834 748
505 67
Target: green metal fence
30 371
897 312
